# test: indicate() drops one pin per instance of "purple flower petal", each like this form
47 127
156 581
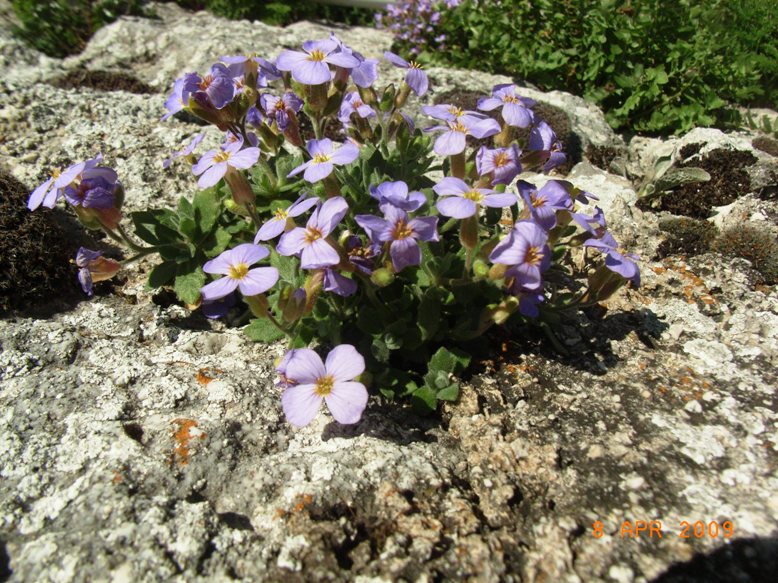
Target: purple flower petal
500 200
346 154
404 252
37 196
318 254
344 363
301 205
456 207
396 60
451 185
347 402
218 289
312 73
342 59
418 81
245 158
449 143
291 242
270 230
247 253
318 171
258 281
517 115
289 60
338 284
330 214
375 227
488 103
425 228
301 404
305 367
484 128
212 175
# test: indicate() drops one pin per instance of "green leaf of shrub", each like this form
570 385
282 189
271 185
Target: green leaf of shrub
262 330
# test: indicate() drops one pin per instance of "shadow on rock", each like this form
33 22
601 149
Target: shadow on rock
749 560
388 422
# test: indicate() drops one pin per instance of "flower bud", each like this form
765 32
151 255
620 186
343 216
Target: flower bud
504 310
480 268
235 208
295 305
240 187
317 96
382 277
497 271
402 95
468 232
312 288
258 305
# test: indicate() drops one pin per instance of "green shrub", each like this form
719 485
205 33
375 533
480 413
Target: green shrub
62 27
277 12
653 65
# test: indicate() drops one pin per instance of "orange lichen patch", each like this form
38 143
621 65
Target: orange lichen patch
183 437
695 288
117 477
659 270
303 501
206 375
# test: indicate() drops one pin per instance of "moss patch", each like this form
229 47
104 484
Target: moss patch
36 250
102 81
729 180
686 236
754 243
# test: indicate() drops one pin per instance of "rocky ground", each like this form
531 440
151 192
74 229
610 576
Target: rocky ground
139 442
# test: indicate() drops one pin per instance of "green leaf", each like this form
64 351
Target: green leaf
187 285
262 330
450 393
287 268
450 361
207 208
150 228
162 274
380 351
424 399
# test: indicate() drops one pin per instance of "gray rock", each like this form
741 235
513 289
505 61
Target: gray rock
139 442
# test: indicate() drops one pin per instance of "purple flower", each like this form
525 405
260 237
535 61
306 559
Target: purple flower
364 74
338 284
401 232
594 225
544 203
234 264
325 157
93 267
50 191
216 89
415 77
453 139
215 163
188 149
311 241
502 164
462 201
281 108
526 250
266 70
176 101
352 103
311 66
230 139
528 300
309 381
543 139
254 117
616 258
277 225
396 194
95 189
515 109
362 256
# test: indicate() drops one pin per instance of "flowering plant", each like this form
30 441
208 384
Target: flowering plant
354 240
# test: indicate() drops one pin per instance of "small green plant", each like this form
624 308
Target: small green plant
754 243
62 27
665 177
279 13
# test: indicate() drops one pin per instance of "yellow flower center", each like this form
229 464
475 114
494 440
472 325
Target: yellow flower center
221 157
206 82
324 385
501 159
312 234
401 231
534 256
238 271
317 56
414 65
510 99
280 105
281 214
55 173
456 111
473 195
321 158
458 127
356 104
537 201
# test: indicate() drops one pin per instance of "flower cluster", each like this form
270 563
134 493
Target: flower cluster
413 22
348 236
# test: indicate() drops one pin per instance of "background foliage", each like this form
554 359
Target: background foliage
654 66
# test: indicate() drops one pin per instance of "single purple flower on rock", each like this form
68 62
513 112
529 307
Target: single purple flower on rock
515 109
544 203
415 77
543 139
311 241
526 250
216 89
186 151
93 267
459 200
281 108
402 234
311 381
215 163
352 103
52 189
310 66
234 264
454 137
502 164
396 194
277 225
324 158
338 284
617 259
